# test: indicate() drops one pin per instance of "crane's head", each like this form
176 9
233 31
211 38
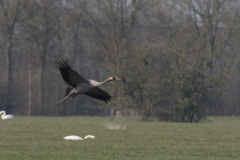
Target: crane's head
113 79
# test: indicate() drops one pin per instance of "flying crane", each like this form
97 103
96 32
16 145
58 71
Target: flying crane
80 85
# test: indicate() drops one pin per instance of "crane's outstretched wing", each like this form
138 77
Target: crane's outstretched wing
99 94
70 76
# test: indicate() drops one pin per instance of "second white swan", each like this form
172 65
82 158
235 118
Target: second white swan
5 117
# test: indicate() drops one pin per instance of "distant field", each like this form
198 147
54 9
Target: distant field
41 138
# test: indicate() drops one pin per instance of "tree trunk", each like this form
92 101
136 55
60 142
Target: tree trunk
9 77
30 87
42 89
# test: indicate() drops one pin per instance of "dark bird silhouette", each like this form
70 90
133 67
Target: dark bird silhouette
81 85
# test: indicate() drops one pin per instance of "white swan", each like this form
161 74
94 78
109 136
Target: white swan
5 117
74 137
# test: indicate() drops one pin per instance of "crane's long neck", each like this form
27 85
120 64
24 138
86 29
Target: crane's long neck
102 83
96 84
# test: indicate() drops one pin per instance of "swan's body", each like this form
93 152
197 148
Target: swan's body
74 137
6 117
81 85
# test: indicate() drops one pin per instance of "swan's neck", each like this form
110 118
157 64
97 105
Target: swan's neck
89 136
3 113
96 84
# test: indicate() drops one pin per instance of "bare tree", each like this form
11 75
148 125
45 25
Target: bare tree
113 26
10 13
198 59
41 29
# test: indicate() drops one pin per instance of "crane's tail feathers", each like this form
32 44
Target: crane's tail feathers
68 90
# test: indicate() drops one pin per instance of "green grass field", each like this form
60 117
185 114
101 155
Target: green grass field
41 138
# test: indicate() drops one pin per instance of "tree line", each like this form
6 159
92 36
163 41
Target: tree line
178 60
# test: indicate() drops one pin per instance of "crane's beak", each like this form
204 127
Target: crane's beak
117 79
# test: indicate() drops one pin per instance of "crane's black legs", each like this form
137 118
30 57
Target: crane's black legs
67 103
63 99
70 94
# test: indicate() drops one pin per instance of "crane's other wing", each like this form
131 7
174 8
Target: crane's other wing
70 76
99 94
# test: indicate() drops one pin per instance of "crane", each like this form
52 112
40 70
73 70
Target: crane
80 85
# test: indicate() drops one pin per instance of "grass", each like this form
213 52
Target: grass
41 138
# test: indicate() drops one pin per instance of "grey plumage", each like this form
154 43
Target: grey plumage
81 85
